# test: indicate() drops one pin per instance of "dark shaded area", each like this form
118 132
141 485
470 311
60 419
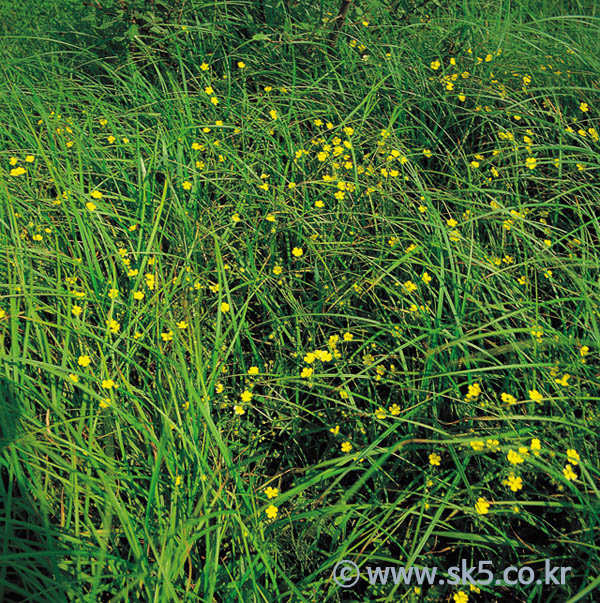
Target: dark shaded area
31 550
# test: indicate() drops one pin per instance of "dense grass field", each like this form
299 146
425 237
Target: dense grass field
280 289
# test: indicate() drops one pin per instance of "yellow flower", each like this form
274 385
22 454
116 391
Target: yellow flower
394 410
460 597
167 336
84 360
380 413
253 370
426 278
246 396
482 506
477 445
563 380
138 295
536 446
309 358
18 171
277 270
531 162
187 185
29 158
493 445
409 286
473 392
273 114
76 310
91 206
298 252
306 372
224 307
113 325
508 398
204 67
182 324
271 492
271 511
113 293
573 456
435 65
569 473
323 355
434 459
108 383
241 64
535 395
96 195
514 482
238 410
584 107
346 447
537 332
514 457
74 378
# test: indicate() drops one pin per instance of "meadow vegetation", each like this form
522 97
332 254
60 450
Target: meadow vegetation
272 297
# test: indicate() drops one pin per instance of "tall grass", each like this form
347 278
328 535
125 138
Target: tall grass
365 278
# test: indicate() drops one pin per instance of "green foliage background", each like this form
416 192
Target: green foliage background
438 169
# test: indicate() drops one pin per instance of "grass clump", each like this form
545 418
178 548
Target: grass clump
266 305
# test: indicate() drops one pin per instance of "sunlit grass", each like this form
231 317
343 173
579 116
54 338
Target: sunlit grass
296 306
